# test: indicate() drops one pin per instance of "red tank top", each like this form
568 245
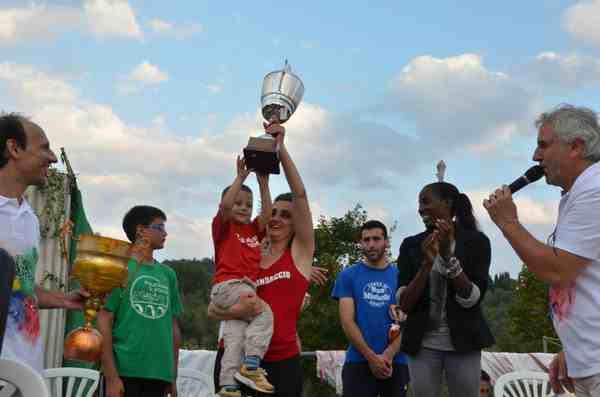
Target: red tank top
283 287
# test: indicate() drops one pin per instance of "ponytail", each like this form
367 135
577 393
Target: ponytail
463 210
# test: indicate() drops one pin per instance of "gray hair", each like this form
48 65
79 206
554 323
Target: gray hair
570 122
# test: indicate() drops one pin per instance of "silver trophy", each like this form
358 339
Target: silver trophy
281 94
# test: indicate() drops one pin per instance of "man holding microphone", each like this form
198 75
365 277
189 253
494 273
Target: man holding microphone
568 149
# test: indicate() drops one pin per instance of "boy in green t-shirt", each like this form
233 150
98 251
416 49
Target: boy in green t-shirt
139 323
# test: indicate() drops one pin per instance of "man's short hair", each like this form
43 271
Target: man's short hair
374 224
11 127
140 215
245 188
485 377
570 122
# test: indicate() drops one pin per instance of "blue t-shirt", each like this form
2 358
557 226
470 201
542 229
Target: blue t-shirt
373 291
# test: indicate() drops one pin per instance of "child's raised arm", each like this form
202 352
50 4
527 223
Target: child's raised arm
229 197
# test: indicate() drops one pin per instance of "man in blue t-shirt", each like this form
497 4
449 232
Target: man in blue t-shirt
365 291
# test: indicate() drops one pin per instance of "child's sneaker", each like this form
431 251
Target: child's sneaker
254 379
229 392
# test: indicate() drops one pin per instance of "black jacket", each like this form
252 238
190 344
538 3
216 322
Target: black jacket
468 328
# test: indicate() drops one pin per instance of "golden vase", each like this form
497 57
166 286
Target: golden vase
100 266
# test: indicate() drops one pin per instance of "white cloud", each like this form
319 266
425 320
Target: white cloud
143 75
108 18
148 74
176 30
30 86
582 21
160 26
563 71
531 211
333 149
36 21
457 102
214 88
120 164
43 21
537 215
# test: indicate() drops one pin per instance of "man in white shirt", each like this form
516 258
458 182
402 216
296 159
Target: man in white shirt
568 148
25 157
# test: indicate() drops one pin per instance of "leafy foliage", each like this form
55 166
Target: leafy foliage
52 214
336 247
194 278
529 314
496 305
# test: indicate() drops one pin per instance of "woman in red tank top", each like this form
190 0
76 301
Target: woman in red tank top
284 276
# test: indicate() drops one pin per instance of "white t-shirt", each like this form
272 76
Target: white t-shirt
20 236
576 308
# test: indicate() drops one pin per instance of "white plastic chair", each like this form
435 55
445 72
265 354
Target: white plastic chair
80 382
523 384
191 382
21 378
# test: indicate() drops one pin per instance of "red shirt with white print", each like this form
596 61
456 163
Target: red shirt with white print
283 287
237 249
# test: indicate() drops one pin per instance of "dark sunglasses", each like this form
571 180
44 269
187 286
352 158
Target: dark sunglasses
157 226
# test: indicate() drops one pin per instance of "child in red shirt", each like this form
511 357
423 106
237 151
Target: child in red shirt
237 255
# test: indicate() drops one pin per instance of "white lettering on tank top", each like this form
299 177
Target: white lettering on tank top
274 277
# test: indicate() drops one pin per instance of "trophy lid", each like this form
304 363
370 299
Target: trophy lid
282 92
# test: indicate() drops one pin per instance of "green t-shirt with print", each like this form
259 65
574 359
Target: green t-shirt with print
143 322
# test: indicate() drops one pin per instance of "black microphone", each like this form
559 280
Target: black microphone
530 176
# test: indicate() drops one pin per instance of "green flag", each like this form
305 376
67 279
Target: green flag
80 226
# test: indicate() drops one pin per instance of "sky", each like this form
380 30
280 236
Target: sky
153 101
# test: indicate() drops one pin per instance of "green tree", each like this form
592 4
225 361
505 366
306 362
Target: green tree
336 246
503 281
194 278
529 314
496 306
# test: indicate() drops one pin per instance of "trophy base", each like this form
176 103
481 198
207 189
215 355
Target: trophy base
261 156
83 344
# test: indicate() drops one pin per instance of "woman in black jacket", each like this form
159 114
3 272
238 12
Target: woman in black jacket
443 276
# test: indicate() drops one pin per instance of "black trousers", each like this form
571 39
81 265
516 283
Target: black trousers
359 381
284 375
140 387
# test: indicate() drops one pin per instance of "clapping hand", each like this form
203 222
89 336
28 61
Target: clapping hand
445 232
431 248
